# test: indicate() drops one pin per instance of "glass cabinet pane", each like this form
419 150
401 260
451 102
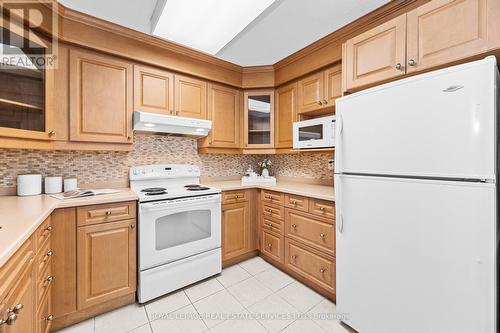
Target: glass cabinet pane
22 84
259 119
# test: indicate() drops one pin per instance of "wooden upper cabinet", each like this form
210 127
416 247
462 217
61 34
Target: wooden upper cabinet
236 230
190 97
259 119
106 262
311 93
224 109
100 98
286 114
153 90
333 84
443 31
376 55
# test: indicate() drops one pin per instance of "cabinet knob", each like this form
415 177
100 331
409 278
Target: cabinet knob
293 202
132 226
210 142
322 270
412 62
325 102
269 225
108 212
2 321
269 245
320 103
17 309
399 66
49 254
49 279
294 226
49 228
322 235
294 257
49 318
129 137
322 209
51 133
176 113
11 320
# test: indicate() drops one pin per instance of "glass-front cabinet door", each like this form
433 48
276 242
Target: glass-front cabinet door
259 119
25 85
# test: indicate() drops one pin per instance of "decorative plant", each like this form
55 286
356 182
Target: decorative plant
265 164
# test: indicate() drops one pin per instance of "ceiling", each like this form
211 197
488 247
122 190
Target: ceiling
274 31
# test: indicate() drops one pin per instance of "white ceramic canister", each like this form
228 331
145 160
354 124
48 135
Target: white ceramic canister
29 184
53 185
70 184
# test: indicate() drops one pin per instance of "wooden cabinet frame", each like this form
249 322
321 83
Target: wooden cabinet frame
247 94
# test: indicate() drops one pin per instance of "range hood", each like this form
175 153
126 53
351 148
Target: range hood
153 122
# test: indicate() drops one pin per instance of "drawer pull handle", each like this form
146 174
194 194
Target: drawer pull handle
11 320
322 235
49 228
49 254
49 318
322 270
48 280
17 309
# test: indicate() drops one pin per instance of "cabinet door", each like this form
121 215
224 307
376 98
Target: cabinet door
311 93
376 55
100 98
153 90
286 114
106 262
224 112
235 230
23 294
259 119
442 31
190 97
333 85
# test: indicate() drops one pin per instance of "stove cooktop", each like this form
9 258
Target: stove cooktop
174 192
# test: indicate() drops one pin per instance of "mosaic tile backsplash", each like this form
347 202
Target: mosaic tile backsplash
97 167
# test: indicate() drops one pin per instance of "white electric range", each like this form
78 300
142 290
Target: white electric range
179 226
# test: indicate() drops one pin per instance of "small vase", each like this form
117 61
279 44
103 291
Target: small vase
265 173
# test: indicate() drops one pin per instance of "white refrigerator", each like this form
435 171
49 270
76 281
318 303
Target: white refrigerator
416 198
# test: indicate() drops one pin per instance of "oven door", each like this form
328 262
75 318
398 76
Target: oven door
175 229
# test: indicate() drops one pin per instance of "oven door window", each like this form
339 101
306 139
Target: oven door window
182 228
309 133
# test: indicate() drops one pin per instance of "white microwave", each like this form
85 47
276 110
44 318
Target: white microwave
314 133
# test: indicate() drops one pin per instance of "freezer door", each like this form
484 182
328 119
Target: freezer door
416 256
439 124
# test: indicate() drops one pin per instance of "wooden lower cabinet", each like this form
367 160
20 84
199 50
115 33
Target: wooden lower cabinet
44 316
235 230
272 246
106 262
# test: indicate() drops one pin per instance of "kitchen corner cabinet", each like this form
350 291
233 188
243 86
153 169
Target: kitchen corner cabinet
100 98
224 110
319 90
434 34
153 90
190 97
286 114
259 119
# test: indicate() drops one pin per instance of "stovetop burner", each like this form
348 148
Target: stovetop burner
198 188
154 189
192 186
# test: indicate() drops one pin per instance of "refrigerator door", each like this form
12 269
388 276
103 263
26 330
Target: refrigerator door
437 125
416 256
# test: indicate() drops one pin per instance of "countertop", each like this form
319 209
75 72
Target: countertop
21 216
316 191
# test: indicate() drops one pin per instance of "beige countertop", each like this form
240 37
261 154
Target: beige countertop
316 191
21 216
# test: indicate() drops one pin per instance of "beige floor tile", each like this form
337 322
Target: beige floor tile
121 320
143 329
255 265
185 320
250 291
274 313
323 314
239 326
274 279
301 297
303 325
166 304
203 289
86 326
218 307
232 275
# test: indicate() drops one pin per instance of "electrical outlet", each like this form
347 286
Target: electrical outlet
330 165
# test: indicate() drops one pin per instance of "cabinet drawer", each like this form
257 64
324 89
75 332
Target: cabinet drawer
44 315
44 282
43 233
275 212
310 264
88 215
272 225
322 208
297 202
272 246
10 271
44 257
272 197
234 197
311 230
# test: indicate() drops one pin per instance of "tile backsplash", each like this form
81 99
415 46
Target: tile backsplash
104 167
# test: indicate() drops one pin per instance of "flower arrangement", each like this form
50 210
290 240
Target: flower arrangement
265 164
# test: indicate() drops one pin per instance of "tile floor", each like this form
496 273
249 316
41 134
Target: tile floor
251 297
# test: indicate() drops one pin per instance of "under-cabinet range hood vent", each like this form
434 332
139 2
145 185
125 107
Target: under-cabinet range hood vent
153 122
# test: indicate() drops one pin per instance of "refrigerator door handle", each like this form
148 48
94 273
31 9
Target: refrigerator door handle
340 224
338 142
